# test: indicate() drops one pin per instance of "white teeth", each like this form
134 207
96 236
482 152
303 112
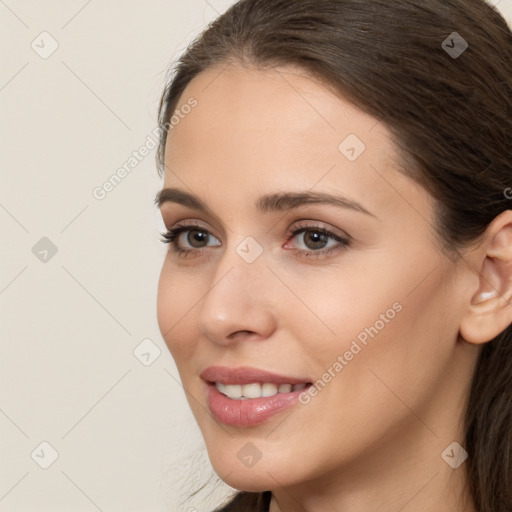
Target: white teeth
269 389
232 390
251 390
256 390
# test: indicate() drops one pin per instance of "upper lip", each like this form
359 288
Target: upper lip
246 375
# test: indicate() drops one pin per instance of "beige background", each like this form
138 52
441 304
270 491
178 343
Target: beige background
69 324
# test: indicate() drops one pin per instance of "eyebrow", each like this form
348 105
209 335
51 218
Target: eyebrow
276 202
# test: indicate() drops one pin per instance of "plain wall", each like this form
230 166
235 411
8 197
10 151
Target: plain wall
71 321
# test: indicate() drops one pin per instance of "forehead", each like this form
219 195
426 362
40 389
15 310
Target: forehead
279 128
255 105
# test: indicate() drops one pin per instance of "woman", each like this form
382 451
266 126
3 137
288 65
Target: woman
337 289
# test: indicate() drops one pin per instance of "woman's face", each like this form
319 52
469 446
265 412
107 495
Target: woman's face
369 314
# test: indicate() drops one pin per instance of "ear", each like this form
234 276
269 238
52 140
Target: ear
489 312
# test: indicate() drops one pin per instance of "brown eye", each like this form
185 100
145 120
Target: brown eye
187 240
196 237
315 239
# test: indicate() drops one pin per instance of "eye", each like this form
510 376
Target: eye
316 239
194 235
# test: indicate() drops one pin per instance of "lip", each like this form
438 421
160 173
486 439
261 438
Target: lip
247 375
253 411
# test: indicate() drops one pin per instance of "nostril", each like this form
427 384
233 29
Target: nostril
240 332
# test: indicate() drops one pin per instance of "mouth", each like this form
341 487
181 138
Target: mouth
245 397
257 389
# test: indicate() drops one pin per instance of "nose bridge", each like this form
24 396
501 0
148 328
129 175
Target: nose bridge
238 299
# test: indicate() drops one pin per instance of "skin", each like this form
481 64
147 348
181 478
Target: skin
372 438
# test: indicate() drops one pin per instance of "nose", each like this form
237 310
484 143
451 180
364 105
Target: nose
240 304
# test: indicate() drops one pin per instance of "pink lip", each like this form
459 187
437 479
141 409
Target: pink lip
246 375
250 412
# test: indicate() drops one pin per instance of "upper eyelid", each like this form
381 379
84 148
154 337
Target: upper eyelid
306 224
322 227
294 230
189 224
191 220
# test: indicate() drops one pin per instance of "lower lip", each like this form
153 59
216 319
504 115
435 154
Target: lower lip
253 411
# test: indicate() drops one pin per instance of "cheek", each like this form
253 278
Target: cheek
175 301
391 320
344 307
406 339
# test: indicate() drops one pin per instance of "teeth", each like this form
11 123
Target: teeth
251 390
233 390
269 389
256 390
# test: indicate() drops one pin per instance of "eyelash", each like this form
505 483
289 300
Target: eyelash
171 236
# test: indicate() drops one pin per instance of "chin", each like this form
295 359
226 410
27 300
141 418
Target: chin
259 476
249 480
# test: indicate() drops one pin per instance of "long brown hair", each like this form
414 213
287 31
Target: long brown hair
449 109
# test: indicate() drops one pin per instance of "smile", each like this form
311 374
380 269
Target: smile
256 389
245 396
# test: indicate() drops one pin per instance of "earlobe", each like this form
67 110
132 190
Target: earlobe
489 311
